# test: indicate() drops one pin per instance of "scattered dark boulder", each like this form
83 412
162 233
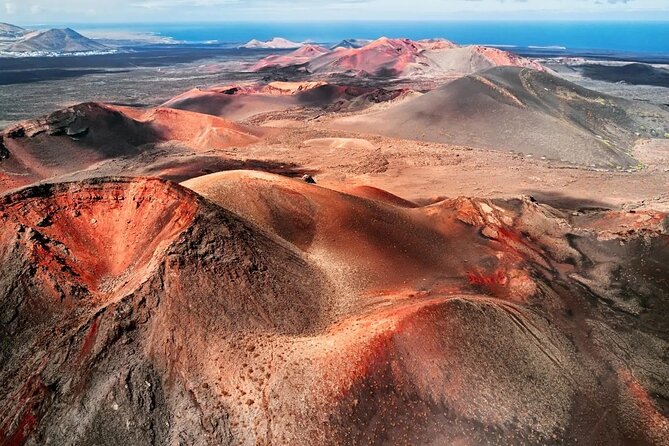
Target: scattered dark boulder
4 153
44 222
16 132
308 179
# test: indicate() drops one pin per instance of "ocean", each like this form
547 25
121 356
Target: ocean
605 36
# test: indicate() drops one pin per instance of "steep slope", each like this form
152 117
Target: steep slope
56 40
522 110
445 287
8 31
217 330
106 308
79 137
74 138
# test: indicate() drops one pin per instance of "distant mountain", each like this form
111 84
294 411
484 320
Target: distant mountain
56 40
398 57
351 43
303 54
8 31
276 43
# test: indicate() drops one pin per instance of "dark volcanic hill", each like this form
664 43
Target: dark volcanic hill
137 312
635 74
351 43
8 31
522 110
56 40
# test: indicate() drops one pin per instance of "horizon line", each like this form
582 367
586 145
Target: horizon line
354 20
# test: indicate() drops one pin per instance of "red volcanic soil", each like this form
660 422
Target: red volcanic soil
500 58
436 44
249 308
478 273
381 56
101 248
377 194
301 55
110 289
197 131
243 102
276 88
383 240
273 311
398 57
73 139
86 135
319 220
234 103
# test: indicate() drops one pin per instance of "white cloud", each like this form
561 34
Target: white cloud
10 8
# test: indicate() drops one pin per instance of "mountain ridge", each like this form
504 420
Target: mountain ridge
64 40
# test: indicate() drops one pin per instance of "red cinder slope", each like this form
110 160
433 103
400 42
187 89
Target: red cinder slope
301 55
114 293
85 136
287 313
382 56
197 131
427 296
246 101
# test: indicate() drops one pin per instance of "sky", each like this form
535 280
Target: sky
125 11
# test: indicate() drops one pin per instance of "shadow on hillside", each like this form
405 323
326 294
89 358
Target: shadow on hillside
560 200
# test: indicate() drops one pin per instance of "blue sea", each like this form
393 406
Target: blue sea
608 36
